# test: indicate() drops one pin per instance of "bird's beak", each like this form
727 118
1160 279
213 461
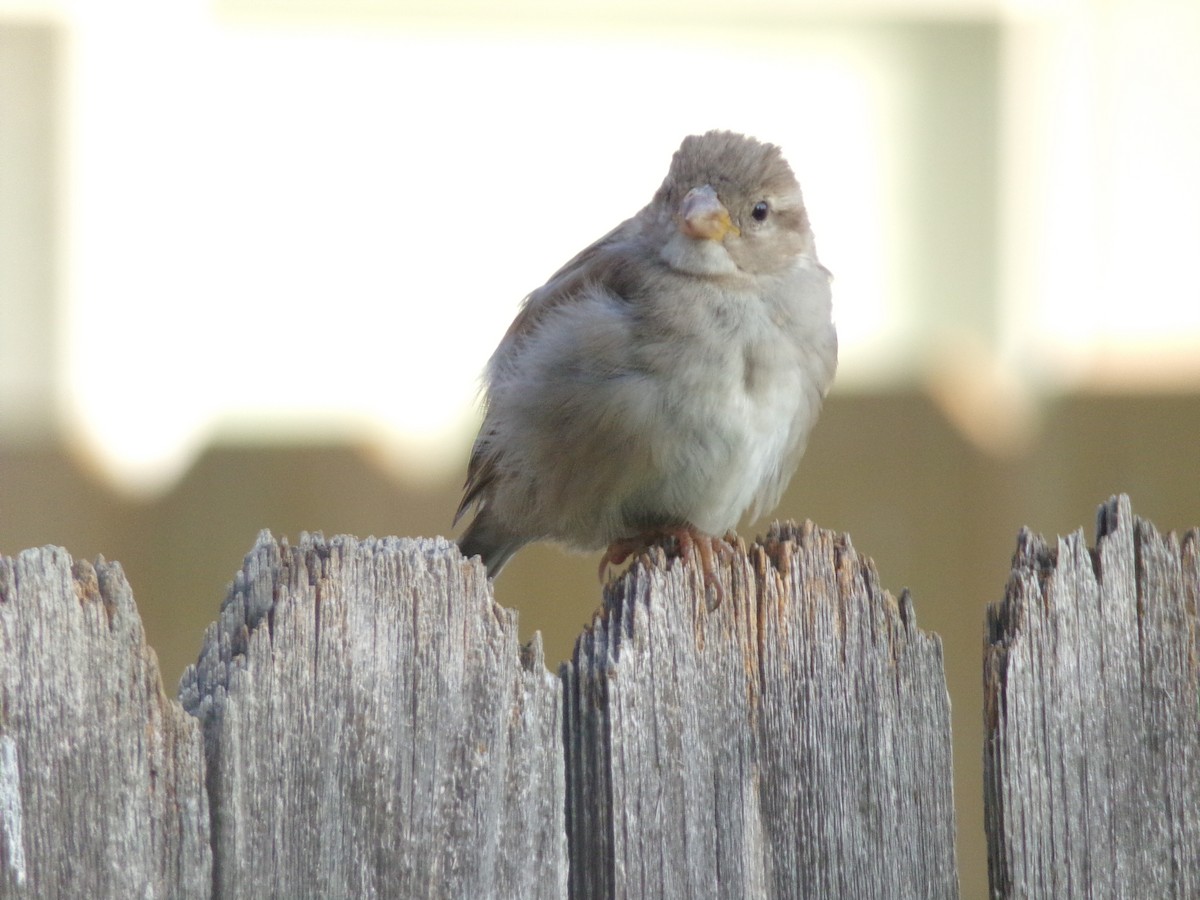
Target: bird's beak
702 215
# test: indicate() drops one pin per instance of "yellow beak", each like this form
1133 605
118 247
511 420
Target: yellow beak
703 216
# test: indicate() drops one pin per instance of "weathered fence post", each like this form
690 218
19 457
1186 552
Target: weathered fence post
793 742
373 729
1092 714
371 725
366 724
101 776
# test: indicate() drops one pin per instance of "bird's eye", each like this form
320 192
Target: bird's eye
760 211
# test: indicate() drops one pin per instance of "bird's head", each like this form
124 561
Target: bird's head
730 204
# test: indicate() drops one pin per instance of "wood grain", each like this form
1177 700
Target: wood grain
101 775
1092 755
374 729
793 742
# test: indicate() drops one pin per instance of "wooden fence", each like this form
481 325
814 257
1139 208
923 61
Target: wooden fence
363 722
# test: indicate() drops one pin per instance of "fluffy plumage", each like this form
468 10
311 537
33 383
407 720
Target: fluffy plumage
667 377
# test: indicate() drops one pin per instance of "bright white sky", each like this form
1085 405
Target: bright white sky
292 230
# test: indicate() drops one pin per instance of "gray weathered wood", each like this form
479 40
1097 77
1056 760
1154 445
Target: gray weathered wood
373 728
793 742
1092 711
101 775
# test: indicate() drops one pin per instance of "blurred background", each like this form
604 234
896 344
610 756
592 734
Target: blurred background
254 255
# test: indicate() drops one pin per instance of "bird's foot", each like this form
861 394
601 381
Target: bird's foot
619 551
684 541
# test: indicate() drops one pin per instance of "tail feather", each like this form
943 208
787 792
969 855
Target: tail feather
491 542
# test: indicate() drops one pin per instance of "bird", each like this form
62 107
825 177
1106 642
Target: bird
665 380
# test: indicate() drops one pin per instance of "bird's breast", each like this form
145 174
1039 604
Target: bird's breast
740 389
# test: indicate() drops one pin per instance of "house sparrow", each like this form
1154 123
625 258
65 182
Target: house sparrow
665 380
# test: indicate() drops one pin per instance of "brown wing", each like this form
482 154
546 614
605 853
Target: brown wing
563 286
481 472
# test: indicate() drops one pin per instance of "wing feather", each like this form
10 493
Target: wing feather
564 286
